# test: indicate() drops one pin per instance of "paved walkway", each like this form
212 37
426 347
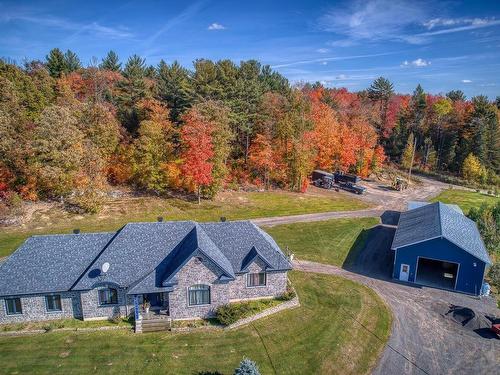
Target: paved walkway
422 341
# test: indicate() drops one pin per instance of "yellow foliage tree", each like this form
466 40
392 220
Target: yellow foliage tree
472 170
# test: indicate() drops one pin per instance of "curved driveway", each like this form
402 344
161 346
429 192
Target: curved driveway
422 341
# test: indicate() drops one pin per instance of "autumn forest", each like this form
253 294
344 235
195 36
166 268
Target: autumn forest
72 131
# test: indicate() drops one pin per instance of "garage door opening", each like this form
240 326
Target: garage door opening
437 273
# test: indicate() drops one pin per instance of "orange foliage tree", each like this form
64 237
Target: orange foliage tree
196 138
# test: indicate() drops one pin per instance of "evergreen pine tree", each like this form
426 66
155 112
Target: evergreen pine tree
71 62
56 63
111 62
174 88
247 367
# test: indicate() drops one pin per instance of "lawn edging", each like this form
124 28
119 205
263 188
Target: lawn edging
294 302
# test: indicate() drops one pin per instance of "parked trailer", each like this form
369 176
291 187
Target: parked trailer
322 179
345 177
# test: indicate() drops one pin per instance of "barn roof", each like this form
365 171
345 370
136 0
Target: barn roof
417 204
142 256
438 220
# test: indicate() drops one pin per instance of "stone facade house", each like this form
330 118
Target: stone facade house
183 269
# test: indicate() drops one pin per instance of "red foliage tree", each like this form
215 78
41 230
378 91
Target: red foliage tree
196 138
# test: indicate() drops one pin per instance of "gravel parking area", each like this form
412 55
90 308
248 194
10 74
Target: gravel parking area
425 339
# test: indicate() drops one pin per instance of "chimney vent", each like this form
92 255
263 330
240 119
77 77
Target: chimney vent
223 219
160 219
76 231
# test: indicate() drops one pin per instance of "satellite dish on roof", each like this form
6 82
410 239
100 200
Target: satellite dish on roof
105 267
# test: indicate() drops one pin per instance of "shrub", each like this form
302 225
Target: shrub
247 367
494 275
288 295
232 312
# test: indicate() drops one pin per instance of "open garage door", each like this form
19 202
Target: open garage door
437 273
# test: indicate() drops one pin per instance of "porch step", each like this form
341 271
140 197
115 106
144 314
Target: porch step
154 325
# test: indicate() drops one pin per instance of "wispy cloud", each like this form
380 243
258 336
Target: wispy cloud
337 58
180 18
216 26
373 20
439 22
416 63
466 81
472 26
322 50
94 28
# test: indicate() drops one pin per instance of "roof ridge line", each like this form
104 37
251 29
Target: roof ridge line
96 257
440 218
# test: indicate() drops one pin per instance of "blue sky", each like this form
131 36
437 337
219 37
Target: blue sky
443 45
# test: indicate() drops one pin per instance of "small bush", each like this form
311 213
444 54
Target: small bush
232 312
247 367
229 314
288 295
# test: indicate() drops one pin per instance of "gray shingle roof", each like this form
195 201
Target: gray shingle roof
142 256
50 263
438 220
417 204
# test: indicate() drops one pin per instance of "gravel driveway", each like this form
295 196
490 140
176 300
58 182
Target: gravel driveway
423 340
381 197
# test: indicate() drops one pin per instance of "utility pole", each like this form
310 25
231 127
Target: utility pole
412 159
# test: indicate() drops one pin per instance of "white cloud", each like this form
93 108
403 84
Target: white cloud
466 81
93 28
373 20
352 57
342 43
324 62
440 22
480 23
416 63
322 50
216 26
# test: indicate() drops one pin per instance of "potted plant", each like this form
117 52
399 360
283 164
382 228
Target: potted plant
146 305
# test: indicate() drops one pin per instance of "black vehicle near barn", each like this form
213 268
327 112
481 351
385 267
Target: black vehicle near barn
340 180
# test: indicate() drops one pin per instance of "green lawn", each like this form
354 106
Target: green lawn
233 206
323 241
320 337
465 199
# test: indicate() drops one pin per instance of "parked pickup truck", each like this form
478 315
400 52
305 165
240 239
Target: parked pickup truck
349 186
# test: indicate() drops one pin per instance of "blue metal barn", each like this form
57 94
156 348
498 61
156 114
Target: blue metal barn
437 245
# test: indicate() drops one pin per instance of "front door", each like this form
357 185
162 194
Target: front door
404 272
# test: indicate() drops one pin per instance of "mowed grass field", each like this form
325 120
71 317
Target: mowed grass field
465 199
323 336
323 241
116 213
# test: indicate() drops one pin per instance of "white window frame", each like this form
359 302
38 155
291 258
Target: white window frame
47 303
7 309
204 304
256 286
